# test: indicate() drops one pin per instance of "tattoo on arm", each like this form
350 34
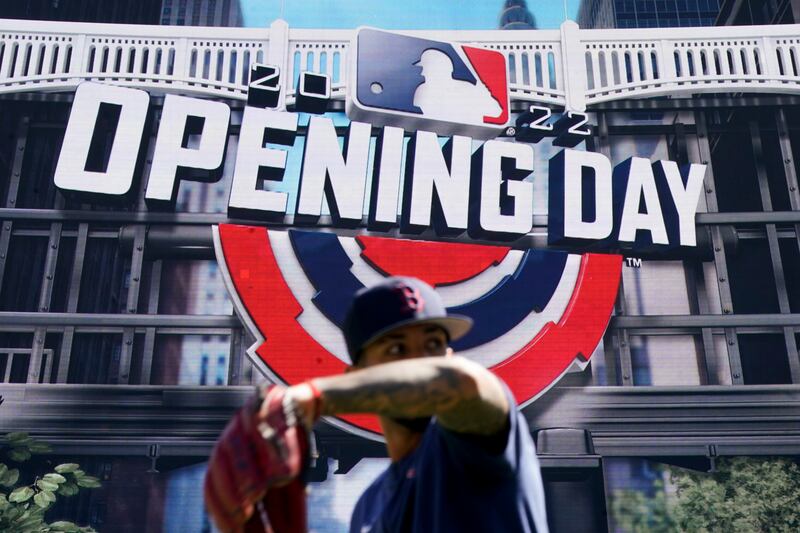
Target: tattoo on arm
464 396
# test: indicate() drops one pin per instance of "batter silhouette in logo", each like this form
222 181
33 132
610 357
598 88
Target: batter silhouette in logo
414 83
443 97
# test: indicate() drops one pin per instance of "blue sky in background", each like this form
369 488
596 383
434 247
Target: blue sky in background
399 14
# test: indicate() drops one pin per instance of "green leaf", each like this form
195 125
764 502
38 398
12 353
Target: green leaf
22 517
3 470
41 500
20 495
51 496
39 447
10 478
47 485
3 502
63 525
31 523
89 482
65 468
54 478
78 473
16 436
19 454
68 489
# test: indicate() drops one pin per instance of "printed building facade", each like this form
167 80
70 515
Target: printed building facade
119 344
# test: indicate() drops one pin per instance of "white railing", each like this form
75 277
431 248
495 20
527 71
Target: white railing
318 51
641 63
568 67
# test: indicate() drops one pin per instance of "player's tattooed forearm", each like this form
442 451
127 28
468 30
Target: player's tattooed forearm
404 389
416 388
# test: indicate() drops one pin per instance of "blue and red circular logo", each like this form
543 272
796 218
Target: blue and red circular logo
536 312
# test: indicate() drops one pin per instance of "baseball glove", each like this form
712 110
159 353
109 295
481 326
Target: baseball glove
254 478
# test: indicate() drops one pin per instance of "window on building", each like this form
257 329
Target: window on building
204 369
103 281
222 370
22 283
192 288
177 359
764 360
94 358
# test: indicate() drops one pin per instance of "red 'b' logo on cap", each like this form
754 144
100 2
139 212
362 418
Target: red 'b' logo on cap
411 299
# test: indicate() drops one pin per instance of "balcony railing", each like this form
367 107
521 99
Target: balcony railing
568 67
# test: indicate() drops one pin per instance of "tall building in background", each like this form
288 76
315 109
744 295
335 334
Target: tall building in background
647 13
642 475
118 11
198 359
516 16
744 12
201 13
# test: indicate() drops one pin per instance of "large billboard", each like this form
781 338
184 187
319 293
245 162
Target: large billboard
188 211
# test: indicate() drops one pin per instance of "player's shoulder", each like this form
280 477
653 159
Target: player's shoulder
367 503
372 491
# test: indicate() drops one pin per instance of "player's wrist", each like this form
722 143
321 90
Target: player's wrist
303 403
317 399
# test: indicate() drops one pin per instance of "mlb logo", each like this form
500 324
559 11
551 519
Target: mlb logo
416 83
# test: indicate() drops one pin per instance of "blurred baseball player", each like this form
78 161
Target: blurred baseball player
462 456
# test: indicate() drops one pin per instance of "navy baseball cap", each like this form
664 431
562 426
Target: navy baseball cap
393 303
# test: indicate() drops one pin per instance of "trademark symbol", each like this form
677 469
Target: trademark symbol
633 262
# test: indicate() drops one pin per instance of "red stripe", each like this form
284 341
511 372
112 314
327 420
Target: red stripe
491 66
535 367
436 263
289 351
292 354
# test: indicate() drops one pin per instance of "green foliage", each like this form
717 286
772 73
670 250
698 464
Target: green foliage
638 513
744 495
23 506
